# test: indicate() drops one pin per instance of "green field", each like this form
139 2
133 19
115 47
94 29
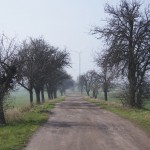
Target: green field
20 97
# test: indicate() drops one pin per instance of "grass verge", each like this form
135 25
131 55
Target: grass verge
16 133
140 117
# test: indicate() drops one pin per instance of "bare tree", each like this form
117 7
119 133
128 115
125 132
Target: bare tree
87 80
106 74
65 83
56 72
8 70
90 81
42 56
80 83
96 83
25 74
36 56
127 33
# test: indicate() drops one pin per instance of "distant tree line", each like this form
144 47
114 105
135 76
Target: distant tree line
93 81
35 65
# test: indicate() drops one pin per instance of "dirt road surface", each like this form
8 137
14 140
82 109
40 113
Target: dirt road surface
79 125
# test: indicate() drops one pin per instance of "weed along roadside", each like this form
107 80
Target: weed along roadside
140 117
21 125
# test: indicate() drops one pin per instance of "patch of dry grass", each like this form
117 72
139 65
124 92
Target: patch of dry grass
22 122
15 114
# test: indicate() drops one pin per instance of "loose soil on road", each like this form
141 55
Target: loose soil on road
78 125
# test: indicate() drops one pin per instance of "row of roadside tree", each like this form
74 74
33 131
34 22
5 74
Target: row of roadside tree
35 65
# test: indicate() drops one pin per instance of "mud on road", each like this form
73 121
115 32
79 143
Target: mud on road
79 125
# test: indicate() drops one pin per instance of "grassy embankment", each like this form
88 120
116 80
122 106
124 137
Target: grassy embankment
22 122
139 117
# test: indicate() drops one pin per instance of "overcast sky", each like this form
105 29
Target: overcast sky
63 23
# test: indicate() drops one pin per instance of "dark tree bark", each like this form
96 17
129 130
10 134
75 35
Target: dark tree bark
42 95
55 94
37 92
139 103
31 97
105 87
2 116
48 92
131 66
51 94
105 95
94 94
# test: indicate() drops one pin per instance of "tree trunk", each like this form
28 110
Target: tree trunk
48 93
42 95
31 97
55 93
96 93
105 96
2 116
132 87
88 92
131 67
51 94
37 92
139 102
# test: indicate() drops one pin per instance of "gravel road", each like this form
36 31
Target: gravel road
78 125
